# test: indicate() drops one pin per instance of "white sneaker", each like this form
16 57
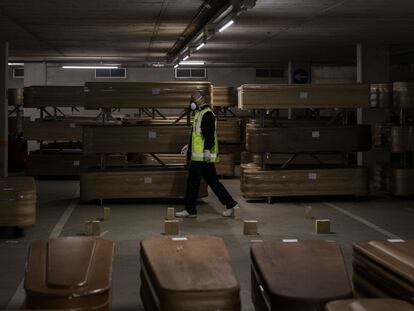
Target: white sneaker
229 212
185 214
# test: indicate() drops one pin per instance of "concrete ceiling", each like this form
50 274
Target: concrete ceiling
143 31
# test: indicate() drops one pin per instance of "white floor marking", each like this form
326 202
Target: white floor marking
363 221
16 302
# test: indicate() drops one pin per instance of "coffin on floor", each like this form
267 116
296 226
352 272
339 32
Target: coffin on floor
143 183
296 277
18 202
369 305
142 94
256 182
309 139
139 139
186 274
384 269
69 273
278 96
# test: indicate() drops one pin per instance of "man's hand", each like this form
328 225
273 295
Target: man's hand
184 149
207 156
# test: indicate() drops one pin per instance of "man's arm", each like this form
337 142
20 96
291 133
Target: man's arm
208 128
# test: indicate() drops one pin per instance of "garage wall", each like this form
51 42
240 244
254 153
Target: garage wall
39 74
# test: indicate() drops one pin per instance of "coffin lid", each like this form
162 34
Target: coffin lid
69 266
304 270
397 256
192 264
369 305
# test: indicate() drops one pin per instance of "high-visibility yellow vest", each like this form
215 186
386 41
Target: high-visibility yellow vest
197 139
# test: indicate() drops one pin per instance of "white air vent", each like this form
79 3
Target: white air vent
119 73
18 73
190 73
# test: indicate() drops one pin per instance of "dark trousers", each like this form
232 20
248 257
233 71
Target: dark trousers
198 170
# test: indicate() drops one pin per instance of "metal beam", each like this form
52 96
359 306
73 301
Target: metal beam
4 129
207 11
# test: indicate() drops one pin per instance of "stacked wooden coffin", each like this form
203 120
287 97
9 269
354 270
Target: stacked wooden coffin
51 130
304 157
384 269
137 136
223 97
397 138
225 166
142 94
70 273
17 202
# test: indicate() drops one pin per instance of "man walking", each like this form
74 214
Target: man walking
203 152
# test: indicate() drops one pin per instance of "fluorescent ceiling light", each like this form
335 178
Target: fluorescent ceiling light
16 64
187 57
176 66
200 46
226 26
192 62
90 67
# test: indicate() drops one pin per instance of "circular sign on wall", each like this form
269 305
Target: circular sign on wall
300 76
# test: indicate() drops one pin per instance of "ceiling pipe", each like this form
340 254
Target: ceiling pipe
207 11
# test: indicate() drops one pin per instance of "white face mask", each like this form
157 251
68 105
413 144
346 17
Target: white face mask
193 106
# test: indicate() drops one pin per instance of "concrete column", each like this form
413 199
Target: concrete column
373 66
4 130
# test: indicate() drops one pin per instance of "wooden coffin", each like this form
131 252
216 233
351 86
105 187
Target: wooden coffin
305 182
52 130
53 96
296 277
142 94
69 273
301 159
17 202
186 274
124 139
228 131
224 96
142 183
403 95
279 96
387 265
395 138
225 166
235 149
381 95
309 139
402 181
369 305
15 97
66 164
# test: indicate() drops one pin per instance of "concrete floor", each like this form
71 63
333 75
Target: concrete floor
378 218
